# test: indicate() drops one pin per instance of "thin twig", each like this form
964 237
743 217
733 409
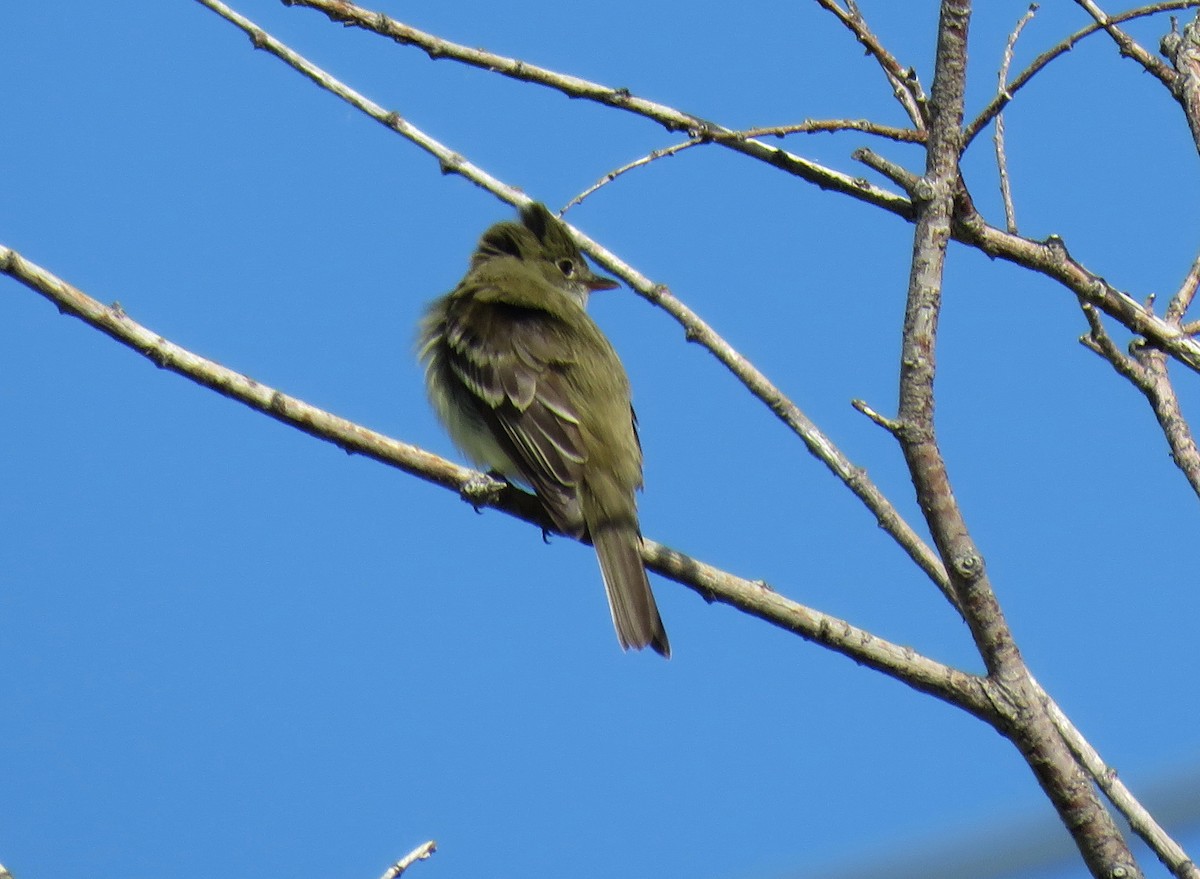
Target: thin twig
1010 214
808 126
890 425
812 126
420 853
898 174
1008 92
964 690
636 163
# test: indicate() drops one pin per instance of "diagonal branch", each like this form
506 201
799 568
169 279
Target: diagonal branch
618 98
808 126
854 477
966 691
1005 95
905 85
1140 820
450 161
1051 258
1146 370
972 231
421 853
1130 48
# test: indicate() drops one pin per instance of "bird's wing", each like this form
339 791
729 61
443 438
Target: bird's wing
517 364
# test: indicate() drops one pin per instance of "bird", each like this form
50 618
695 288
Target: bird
529 387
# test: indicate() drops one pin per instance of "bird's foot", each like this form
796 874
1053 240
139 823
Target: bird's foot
483 489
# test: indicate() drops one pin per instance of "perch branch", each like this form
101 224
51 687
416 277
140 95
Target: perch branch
966 691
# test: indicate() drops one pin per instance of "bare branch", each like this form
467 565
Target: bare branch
889 169
420 853
963 690
905 85
1031 730
808 126
1163 400
1182 300
1051 258
1130 48
1183 50
1010 214
1008 92
890 425
618 98
972 229
450 161
1146 369
1140 820
636 163
696 330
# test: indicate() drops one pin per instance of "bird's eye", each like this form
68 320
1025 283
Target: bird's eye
567 267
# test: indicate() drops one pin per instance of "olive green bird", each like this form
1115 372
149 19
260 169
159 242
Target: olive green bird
528 386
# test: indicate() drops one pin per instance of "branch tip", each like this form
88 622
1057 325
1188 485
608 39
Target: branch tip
890 425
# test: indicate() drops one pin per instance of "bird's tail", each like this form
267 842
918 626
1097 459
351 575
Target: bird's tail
634 613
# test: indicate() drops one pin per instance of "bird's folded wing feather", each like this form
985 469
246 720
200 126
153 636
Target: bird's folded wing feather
517 363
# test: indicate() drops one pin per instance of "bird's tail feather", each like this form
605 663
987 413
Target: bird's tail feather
634 613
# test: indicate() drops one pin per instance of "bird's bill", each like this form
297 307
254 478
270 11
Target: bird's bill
599 282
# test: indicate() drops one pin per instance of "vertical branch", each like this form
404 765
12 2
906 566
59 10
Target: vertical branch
1027 722
1146 369
918 357
1161 394
1157 387
1183 51
1010 214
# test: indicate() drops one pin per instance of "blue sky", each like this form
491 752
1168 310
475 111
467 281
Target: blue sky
227 648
